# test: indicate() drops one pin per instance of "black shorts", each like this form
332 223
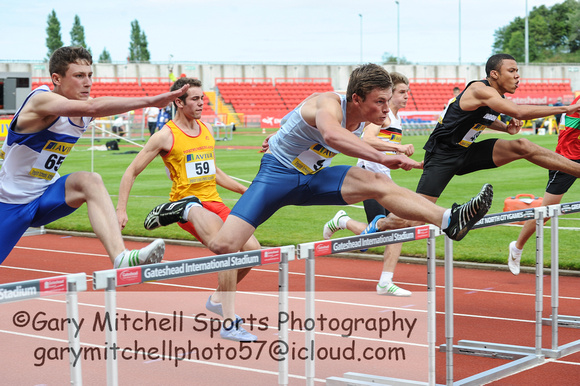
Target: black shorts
559 182
439 168
373 209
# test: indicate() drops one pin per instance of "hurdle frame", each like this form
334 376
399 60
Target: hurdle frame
310 251
555 319
70 285
110 279
523 357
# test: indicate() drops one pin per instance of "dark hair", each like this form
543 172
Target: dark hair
179 83
64 56
494 62
365 79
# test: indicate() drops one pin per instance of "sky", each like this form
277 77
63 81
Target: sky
269 31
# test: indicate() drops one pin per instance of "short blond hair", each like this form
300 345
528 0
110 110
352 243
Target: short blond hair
398 78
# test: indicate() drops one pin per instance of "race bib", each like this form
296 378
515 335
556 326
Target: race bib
472 135
200 167
313 159
50 159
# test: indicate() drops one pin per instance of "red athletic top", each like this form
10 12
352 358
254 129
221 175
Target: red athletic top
569 137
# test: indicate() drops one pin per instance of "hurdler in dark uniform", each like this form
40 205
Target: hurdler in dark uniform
451 149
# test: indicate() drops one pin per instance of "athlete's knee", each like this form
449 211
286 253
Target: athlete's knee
85 183
220 246
88 179
378 184
251 245
523 147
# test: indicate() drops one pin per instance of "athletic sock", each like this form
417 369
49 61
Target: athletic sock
121 261
446 218
342 221
186 210
386 278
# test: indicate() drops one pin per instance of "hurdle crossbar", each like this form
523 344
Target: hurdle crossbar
310 251
110 279
70 285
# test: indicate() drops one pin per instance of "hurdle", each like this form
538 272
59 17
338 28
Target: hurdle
522 357
560 320
309 251
70 285
109 280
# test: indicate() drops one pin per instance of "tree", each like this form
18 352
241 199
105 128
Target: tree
145 56
105 56
554 34
53 37
138 51
388 58
77 34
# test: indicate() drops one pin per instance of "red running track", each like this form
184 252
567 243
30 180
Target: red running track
491 306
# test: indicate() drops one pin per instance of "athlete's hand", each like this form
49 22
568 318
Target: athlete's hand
162 100
514 126
122 218
265 144
575 108
407 150
402 162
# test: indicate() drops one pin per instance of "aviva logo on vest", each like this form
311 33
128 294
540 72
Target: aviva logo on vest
4 124
199 156
58 147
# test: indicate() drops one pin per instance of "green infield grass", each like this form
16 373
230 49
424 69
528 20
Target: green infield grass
240 158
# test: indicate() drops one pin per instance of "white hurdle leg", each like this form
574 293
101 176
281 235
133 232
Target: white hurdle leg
539 279
431 309
111 333
449 307
72 311
310 332
283 310
554 211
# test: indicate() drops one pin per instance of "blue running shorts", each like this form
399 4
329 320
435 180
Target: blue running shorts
277 186
15 219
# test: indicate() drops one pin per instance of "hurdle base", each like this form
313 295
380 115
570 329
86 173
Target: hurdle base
497 350
35 231
359 379
563 321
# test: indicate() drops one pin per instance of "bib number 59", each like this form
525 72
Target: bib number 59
202 168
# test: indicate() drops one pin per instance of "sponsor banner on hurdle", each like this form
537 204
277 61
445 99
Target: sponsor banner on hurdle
29 289
183 268
506 217
378 239
570 207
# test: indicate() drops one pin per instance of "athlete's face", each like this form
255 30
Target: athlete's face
76 83
193 105
508 76
375 107
400 96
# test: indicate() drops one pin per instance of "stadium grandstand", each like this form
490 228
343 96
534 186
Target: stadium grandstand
261 101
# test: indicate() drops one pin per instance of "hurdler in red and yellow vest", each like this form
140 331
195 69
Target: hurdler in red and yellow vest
191 164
